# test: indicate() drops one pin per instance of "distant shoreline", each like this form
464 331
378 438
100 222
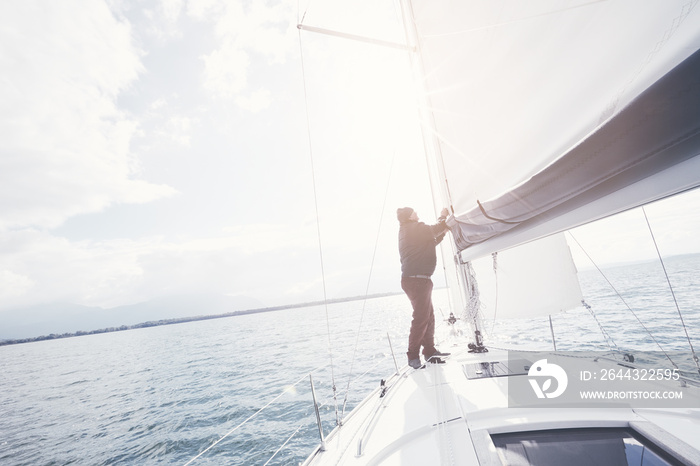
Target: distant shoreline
182 320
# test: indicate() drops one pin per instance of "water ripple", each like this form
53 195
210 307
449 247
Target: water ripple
161 395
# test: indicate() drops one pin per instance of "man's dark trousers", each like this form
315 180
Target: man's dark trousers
419 292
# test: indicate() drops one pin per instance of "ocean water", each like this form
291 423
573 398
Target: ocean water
162 395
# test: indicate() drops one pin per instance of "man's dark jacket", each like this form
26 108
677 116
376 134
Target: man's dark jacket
417 243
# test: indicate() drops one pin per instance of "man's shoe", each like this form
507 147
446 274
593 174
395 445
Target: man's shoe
435 360
414 363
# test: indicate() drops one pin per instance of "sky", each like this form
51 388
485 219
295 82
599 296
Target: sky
162 147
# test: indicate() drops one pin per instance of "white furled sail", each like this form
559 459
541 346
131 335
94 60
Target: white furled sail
549 114
534 279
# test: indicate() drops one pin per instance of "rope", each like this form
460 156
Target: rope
623 300
471 309
369 279
483 211
668 280
318 226
494 256
606 336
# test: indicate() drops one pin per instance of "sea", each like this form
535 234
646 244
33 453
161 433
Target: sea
237 390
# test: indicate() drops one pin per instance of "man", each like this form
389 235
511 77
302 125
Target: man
417 242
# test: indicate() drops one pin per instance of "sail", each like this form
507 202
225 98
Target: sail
548 114
534 279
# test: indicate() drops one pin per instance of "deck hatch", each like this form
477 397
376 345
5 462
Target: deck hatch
574 447
482 370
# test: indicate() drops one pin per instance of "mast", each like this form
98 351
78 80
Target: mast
460 283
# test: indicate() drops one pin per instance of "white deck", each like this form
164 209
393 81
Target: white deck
436 415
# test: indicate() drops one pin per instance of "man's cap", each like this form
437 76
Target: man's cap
403 213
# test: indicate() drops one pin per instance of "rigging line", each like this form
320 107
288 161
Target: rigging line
622 299
318 226
306 10
293 433
608 339
370 369
369 279
494 256
283 445
426 114
436 169
668 280
246 420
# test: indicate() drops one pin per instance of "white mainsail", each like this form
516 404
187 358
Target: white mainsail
547 114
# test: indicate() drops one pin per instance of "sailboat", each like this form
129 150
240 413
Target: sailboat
538 117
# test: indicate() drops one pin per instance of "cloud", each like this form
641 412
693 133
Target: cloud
226 70
161 125
13 285
256 101
172 9
264 238
38 267
245 33
162 18
51 269
65 144
178 129
204 9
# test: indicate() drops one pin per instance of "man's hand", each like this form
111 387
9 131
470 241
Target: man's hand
445 213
